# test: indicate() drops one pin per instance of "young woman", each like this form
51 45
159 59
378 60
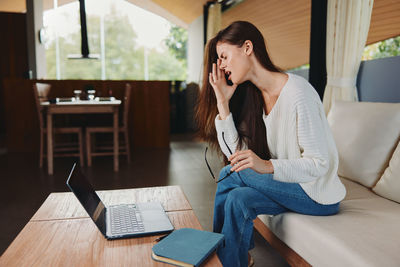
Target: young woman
272 128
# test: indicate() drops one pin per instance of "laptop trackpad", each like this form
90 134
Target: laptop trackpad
154 217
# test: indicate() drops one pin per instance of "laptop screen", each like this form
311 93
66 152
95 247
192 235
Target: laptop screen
86 195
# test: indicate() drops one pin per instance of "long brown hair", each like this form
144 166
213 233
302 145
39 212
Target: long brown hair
246 104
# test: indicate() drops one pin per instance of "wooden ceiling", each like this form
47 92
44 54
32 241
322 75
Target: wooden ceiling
19 6
385 20
285 24
187 10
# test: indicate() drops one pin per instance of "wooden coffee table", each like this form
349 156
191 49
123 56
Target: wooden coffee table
62 234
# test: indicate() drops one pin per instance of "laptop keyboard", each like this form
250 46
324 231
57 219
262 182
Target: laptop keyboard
125 219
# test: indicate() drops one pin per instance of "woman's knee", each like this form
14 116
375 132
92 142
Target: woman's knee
238 203
239 197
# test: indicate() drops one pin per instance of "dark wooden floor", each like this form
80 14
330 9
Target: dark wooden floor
24 186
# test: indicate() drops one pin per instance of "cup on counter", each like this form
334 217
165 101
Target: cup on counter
77 94
91 94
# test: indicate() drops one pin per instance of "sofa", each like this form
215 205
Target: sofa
366 231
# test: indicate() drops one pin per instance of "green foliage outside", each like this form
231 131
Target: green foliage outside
177 41
305 66
386 48
124 58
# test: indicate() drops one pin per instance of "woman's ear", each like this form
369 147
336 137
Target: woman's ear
248 47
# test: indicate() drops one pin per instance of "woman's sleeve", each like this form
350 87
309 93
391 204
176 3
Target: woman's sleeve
313 143
228 129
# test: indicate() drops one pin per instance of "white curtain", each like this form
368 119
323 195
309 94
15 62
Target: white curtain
213 20
347 30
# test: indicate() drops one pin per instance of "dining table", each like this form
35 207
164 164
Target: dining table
77 106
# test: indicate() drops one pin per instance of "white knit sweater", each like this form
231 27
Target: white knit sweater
300 141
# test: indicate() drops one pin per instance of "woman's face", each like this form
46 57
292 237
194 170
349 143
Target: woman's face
234 61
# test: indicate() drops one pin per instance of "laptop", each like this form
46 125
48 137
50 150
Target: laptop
119 221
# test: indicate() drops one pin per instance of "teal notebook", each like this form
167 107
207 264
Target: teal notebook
186 247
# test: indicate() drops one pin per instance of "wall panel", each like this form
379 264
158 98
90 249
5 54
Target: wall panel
14 53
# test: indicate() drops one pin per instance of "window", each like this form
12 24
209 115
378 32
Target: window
132 44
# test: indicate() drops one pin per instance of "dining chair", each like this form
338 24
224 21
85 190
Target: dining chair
61 149
93 149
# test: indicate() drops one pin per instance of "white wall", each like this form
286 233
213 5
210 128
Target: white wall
195 50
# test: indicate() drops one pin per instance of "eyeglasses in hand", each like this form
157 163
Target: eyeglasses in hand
208 165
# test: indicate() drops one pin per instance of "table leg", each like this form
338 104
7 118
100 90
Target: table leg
50 143
116 139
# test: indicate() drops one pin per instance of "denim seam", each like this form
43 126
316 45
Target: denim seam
293 196
278 192
285 194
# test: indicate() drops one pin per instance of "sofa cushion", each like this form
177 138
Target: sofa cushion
389 184
365 232
365 135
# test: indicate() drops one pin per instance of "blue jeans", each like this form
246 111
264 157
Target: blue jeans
244 195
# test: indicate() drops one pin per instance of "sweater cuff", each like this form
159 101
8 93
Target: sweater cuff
277 170
224 125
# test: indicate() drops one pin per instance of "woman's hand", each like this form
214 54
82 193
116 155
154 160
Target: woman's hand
223 92
244 159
